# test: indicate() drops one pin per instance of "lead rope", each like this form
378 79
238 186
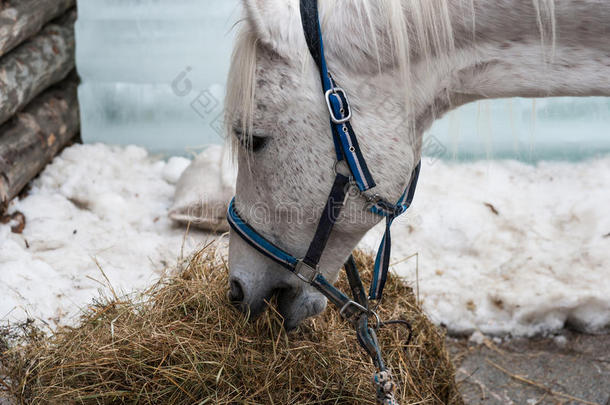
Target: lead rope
383 380
386 388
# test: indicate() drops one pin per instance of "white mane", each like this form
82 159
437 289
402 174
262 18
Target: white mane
383 33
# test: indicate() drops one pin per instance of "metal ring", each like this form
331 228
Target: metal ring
353 191
336 167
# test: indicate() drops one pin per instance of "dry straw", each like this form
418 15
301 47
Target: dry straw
181 342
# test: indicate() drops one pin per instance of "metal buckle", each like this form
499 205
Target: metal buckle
305 272
336 91
352 303
363 310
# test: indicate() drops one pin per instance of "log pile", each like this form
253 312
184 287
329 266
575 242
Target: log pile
25 18
38 88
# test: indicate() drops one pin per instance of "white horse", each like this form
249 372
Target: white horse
403 63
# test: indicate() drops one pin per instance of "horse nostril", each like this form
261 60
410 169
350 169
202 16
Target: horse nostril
236 292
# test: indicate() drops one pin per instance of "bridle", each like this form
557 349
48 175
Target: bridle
359 309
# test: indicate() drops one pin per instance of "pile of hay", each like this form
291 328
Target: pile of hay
182 343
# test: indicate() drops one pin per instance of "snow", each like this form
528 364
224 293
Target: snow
542 261
560 340
174 168
95 205
477 338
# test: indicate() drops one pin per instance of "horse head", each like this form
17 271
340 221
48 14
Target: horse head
403 64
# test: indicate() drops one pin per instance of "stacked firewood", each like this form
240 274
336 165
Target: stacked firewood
38 88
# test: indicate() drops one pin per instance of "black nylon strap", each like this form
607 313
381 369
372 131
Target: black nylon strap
368 340
355 282
413 185
350 147
311 27
333 207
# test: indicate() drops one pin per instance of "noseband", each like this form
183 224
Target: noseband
359 309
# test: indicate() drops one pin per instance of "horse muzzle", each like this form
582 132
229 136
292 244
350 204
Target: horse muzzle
295 303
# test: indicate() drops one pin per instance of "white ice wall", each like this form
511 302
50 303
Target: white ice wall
566 128
154 72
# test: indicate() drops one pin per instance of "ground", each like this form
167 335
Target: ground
572 365
570 369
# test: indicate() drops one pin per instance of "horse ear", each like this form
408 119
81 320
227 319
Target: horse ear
277 23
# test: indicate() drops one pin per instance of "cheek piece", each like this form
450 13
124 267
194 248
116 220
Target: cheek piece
358 310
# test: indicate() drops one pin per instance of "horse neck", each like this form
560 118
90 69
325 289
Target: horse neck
466 50
518 48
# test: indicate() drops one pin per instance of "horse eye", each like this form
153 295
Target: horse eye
258 143
250 142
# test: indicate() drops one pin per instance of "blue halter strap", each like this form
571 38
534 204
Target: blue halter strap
346 143
356 310
382 261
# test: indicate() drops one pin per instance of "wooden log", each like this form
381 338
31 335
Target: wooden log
41 61
21 19
34 136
